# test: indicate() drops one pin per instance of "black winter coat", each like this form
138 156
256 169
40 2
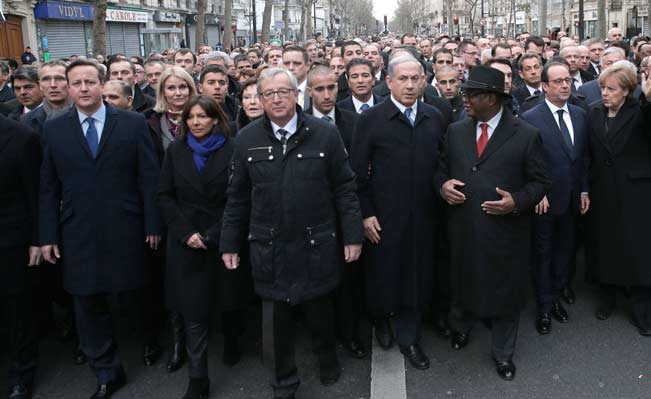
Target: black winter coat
620 192
290 204
194 203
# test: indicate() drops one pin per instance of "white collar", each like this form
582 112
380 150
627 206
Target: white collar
290 126
402 107
357 103
302 86
555 109
317 114
494 121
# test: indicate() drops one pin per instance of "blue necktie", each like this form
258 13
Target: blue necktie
408 115
364 107
91 136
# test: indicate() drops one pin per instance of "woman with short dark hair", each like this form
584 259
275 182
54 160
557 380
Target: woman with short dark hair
192 197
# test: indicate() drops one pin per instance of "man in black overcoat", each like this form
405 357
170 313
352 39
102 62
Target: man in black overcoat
394 155
97 208
294 192
322 88
20 158
492 172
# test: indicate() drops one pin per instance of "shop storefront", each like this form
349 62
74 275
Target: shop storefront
66 28
167 33
212 34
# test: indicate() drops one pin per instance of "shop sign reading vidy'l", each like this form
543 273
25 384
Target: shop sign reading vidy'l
84 12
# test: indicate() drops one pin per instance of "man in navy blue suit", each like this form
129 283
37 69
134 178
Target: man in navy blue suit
99 178
563 132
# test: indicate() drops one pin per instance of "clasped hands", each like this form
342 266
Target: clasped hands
453 196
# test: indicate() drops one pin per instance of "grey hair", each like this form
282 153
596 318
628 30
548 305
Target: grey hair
626 64
612 50
401 60
219 55
272 73
125 88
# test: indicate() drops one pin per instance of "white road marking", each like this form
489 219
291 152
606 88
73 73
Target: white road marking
387 373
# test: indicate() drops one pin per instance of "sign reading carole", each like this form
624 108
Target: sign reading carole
114 15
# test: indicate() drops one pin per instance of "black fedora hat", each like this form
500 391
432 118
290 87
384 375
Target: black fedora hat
485 78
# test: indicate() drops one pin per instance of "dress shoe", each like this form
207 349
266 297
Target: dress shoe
644 328
383 333
355 348
559 313
459 340
506 370
415 355
442 326
177 357
568 295
543 323
105 391
605 310
198 388
78 357
151 351
20 391
329 375
232 354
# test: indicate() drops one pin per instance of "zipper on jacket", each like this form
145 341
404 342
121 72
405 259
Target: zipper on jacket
268 148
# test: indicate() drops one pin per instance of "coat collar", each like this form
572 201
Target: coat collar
619 128
507 127
391 112
214 166
109 125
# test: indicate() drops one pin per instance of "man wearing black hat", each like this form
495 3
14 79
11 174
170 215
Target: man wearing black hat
492 173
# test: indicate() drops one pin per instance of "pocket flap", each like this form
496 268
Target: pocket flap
259 155
640 174
319 234
311 154
260 233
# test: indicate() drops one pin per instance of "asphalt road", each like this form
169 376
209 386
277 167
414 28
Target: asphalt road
585 358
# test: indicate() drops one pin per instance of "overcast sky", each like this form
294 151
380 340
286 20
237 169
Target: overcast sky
384 7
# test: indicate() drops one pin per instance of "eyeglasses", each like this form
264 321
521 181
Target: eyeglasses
561 81
282 93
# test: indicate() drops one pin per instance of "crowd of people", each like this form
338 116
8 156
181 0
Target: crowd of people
405 180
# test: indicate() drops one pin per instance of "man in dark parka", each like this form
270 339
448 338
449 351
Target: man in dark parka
492 172
394 155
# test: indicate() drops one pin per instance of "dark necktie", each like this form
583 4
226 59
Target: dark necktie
536 92
574 82
565 132
91 136
364 107
283 138
408 112
327 118
483 139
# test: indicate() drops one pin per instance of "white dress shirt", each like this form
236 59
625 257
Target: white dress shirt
492 125
566 117
358 104
99 117
317 114
532 89
577 80
290 127
402 108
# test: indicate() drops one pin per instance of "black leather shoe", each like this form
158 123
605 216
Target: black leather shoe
105 391
605 310
355 348
20 391
232 354
384 333
329 375
543 323
644 328
415 355
177 357
78 357
506 370
151 352
459 340
198 388
442 326
568 295
559 313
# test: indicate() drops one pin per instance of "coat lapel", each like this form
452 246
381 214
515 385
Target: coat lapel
620 129
599 122
470 139
188 169
505 129
550 121
421 113
77 132
109 124
215 164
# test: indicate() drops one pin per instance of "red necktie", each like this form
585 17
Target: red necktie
483 139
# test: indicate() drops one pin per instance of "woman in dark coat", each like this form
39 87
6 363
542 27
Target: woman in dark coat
192 197
251 106
620 191
175 88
